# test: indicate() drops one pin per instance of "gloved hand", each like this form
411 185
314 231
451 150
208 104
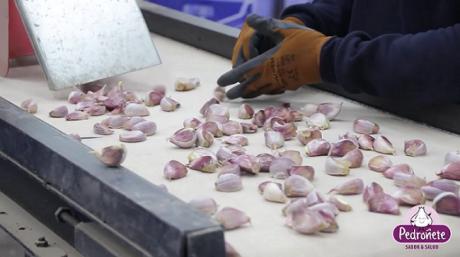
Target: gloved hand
290 64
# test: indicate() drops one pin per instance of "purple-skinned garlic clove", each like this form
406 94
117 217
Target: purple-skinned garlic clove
447 203
319 121
29 106
96 110
431 192
226 153
206 105
408 180
213 127
236 140
184 138
288 130
248 163
371 190
174 170
248 128
231 128
380 163
355 157
450 171
132 137
259 118
294 155
350 187
384 203
306 222
310 109
453 156
147 127
219 93
112 156
445 185
383 145
75 97
366 142
307 172
297 186
205 205
231 168
337 167
59 112
414 147
186 84
261 187
298 115
76 115
218 113
351 137
131 121
134 109
154 97
200 152
168 104
362 126
317 147
409 196
204 138
307 135
398 168
205 164
279 168
330 110
192 123
115 122
340 203
273 140
228 182
101 129
232 218
340 148
265 160
273 193
245 112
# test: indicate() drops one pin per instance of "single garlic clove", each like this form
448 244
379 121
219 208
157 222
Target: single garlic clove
59 112
229 183
297 186
204 138
445 185
355 157
288 130
307 135
330 110
132 137
314 197
236 140
350 187
326 207
206 205
213 127
342 147
318 120
147 127
115 122
206 105
154 97
340 203
450 171
306 222
247 163
331 224
297 204
184 138
273 140
279 168
408 180
84 105
217 113
294 155
131 121
310 109
231 128
245 112
337 167
270 122
192 123
307 172
29 106
398 168
380 163
351 137
231 168
431 192
298 116
77 115
371 190
75 97
112 156
259 118
248 128
453 156
225 153
409 196
273 193
96 110
447 203
174 170
101 129
186 84
366 142
168 104
415 147
134 109
317 147
383 145
365 127
75 136
219 93
231 218
261 187
265 160
200 152
204 164
384 203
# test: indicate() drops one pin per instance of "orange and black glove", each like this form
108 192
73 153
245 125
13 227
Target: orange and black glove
290 64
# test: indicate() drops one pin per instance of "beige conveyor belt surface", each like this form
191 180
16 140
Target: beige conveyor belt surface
361 233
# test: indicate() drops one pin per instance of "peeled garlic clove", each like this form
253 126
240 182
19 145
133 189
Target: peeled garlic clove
131 121
340 203
217 113
384 203
342 147
213 127
415 147
398 168
279 168
330 110
192 123
450 171
248 128
168 104
371 190
186 84
297 186
295 156
231 128
204 138
236 140
184 138
231 218
147 127
101 129
154 97
29 106
350 187
112 156
307 172
206 205
259 118
273 193
453 156
206 105
337 167
318 120
245 112
307 135
380 163
77 115
383 145
366 142
96 110
219 93
365 127
306 222
408 180
75 97
247 163
115 122
231 168
59 112
310 109
447 203
261 187
317 147
132 137
200 152
409 196
174 170
273 140
228 183
265 160
204 163
355 157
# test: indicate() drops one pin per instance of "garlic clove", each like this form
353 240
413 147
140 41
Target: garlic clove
314 197
247 163
337 167
115 122
273 140
307 135
248 128
353 138
77 115
317 147
75 97
415 147
319 121
355 157
445 185
184 138
154 97
362 126
307 172
297 186
340 203
147 127
261 187
206 105
306 222
268 125
219 93
383 145
231 218
213 127
265 160
59 112
384 203
231 128
132 137
192 123
431 192
174 170
331 225
96 110
310 109
447 203
231 168
206 205
168 104
101 129
398 168
245 112
134 109
326 207
298 116
409 196
200 152
112 156
342 147
453 156
29 106
204 138
204 164
366 142
131 121
75 136
330 110
371 190
295 156
229 183
217 113
450 171
225 153
236 140
288 130
350 187
279 168
408 180
186 84
84 105
296 205
273 193
259 118
380 163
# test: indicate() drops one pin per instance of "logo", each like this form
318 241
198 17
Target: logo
424 230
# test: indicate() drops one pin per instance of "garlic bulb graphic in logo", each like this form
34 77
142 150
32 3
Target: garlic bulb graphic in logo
421 219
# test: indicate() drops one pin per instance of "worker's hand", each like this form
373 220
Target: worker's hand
293 62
